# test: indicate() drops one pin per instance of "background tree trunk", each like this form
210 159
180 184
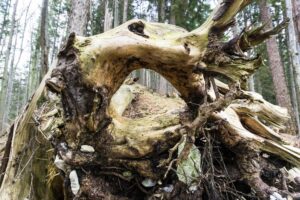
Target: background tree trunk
5 71
80 14
116 13
10 84
4 22
43 40
125 10
280 84
108 16
295 59
296 17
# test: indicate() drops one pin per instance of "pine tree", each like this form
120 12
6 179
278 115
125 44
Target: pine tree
279 80
44 40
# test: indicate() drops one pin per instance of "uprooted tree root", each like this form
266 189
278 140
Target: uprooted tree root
231 166
103 140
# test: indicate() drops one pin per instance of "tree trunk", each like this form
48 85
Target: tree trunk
9 89
295 59
108 17
278 75
5 70
116 13
33 69
161 10
296 17
81 16
5 15
43 40
56 24
125 10
173 12
106 136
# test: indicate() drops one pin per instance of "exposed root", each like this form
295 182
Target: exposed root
117 153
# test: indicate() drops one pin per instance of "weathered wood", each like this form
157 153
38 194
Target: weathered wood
95 137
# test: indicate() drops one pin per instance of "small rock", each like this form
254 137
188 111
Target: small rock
69 155
87 149
264 155
157 195
168 188
276 196
193 188
148 183
75 187
64 146
59 163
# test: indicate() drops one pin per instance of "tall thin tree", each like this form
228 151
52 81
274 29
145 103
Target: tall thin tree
295 60
6 63
43 40
116 13
79 17
295 16
108 16
4 22
125 10
279 80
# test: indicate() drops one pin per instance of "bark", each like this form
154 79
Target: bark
277 70
56 24
296 17
43 39
81 16
173 12
296 20
108 17
5 70
116 13
107 136
33 75
125 10
161 10
295 59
